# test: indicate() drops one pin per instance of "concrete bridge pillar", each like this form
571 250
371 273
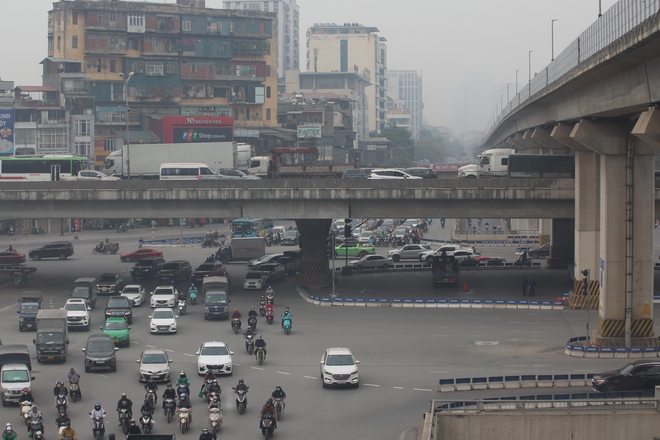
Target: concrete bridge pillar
314 270
625 267
587 219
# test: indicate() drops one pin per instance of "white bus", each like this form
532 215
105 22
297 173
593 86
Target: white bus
187 171
40 167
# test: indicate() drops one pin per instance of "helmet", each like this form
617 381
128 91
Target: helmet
67 423
35 408
123 396
97 405
72 370
59 383
183 374
270 401
287 309
205 429
241 381
132 421
8 427
111 436
146 401
169 385
26 390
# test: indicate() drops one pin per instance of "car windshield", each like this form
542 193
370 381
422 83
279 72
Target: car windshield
290 233
116 325
626 369
75 307
163 314
119 303
339 359
100 346
154 359
14 376
80 292
253 276
214 351
171 266
135 290
49 338
107 278
145 263
206 267
32 308
165 291
215 299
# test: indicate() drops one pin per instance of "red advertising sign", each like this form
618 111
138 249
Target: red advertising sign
183 129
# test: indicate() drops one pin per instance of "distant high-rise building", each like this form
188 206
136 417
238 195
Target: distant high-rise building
405 89
473 105
288 40
352 47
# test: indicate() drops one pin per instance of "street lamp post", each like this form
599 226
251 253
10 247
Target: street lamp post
552 25
128 138
600 8
508 99
530 65
517 80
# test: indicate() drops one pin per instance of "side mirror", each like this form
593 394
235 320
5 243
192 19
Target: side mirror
170 361
84 349
357 362
33 378
137 360
116 349
34 341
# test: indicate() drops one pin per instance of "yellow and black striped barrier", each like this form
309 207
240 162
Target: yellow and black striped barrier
581 302
544 239
314 275
616 328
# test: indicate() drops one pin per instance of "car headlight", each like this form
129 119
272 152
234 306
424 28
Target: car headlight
206 309
21 319
599 381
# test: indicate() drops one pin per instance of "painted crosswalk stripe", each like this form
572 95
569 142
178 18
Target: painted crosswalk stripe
421 389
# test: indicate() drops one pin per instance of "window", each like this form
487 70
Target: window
138 67
53 139
25 136
83 149
74 42
108 145
132 44
113 65
171 69
268 114
212 27
245 71
268 73
74 17
220 92
106 18
136 20
82 127
186 25
268 92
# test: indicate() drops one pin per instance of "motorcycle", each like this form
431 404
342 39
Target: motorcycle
261 356
207 386
241 400
267 426
210 396
286 325
521 262
74 390
184 420
61 404
151 397
182 389
170 407
182 307
147 422
121 228
26 406
37 231
37 435
192 294
279 406
270 296
249 343
215 419
98 428
124 420
236 325
252 323
262 306
269 241
34 426
270 313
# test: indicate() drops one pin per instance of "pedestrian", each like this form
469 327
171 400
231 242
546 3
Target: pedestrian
525 283
532 286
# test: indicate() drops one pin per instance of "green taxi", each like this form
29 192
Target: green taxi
354 249
117 328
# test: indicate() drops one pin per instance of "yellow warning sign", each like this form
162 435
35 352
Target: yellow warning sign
646 310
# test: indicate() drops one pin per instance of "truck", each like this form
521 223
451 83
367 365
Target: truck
244 153
445 270
15 372
146 158
52 341
503 162
296 163
242 248
27 311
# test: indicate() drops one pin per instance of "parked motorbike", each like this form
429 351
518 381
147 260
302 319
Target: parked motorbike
267 426
170 407
121 228
215 419
236 325
521 262
241 400
37 231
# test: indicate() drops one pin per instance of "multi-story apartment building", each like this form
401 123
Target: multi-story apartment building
405 89
168 59
288 31
352 47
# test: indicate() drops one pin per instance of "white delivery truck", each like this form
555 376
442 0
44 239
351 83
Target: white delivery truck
490 163
146 158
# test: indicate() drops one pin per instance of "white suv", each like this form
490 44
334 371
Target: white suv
390 174
77 313
163 296
448 249
339 367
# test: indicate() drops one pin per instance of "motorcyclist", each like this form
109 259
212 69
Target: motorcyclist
151 386
184 402
35 414
236 314
126 403
214 403
169 394
287 315
26 396
60 388
183 380
241 386
68 432
206 435
279 394
147 407
62 420
268 409
99 247
215 387
74 377
97 411
192 291
8 433
133 428
260 344
208 378
252 313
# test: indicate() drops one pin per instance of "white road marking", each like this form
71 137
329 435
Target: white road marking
151 346
486 342
370 385
421 389
257 368
398 388
310 377
103 375
167 349
282 372
440 336
186 354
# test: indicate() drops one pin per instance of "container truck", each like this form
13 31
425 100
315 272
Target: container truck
146 158
242 248
52 339
296 163
15 372
502 162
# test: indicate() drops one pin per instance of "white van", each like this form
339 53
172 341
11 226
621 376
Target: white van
187 171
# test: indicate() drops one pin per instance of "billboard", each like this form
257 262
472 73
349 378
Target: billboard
184 129
210 134
309 131
6 132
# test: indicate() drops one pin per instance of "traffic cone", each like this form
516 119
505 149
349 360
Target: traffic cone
465 287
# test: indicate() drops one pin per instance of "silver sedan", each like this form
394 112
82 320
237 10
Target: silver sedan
372 262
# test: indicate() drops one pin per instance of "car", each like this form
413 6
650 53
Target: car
147 268
339 367
140 254
214 357
253 280
411 223
491 261
371 262
135 294
206 268
56 249
85 288
119 306
428 255
268 258
365 237
226 173
464 254
178 270
278 230
290 238
540 251
391 174
354 249
117 328
110 284
163 296
163 320
154 364
271 271
424 173
100 353
216 304
408 252
642 374
291 264
95 175
11 258
357 173
78 313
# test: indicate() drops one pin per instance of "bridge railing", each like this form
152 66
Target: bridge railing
616 22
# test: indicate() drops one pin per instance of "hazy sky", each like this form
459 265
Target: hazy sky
445 40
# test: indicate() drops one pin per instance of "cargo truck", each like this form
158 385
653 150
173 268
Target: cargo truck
242 248
52 339
445 270
146 158
296 163
502 162
28 308
15 372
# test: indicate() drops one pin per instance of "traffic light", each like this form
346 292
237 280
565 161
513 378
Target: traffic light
348 233
330 250
585 281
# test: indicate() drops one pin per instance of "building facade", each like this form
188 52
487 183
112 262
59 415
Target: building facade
406 108
352 47
139 59
288 30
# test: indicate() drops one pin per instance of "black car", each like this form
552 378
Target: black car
56 249
100 353
642 374
290 238
119 306
271 271
206 268
358 173
175 271
110 284
424 173
539 252
147 268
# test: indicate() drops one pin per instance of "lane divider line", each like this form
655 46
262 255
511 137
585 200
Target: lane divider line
282 372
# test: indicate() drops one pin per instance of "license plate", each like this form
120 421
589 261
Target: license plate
115 340
50 358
